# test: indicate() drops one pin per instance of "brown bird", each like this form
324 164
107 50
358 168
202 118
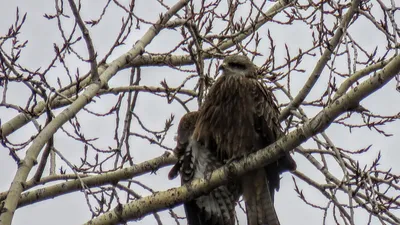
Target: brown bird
239 116
195 161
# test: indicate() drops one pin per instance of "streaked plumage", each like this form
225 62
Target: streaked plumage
239 116
195 161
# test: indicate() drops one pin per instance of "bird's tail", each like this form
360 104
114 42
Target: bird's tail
258 199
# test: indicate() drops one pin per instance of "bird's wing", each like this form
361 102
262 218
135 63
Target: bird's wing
215 208
259 186
267 120
185 131
196 161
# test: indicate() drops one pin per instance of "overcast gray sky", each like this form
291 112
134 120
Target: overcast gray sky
153 110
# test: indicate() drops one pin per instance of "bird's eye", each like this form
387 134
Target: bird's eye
237 66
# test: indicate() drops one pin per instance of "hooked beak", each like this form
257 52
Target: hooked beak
222 66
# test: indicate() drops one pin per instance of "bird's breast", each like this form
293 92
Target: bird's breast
226 122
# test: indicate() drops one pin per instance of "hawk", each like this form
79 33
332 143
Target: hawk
240 116
195 161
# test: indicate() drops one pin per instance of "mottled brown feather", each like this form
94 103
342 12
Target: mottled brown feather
185 131
196 161
239 116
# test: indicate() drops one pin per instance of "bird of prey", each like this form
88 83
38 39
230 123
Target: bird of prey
239 115
195 161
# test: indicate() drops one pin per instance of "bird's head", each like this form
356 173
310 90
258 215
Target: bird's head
238 65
